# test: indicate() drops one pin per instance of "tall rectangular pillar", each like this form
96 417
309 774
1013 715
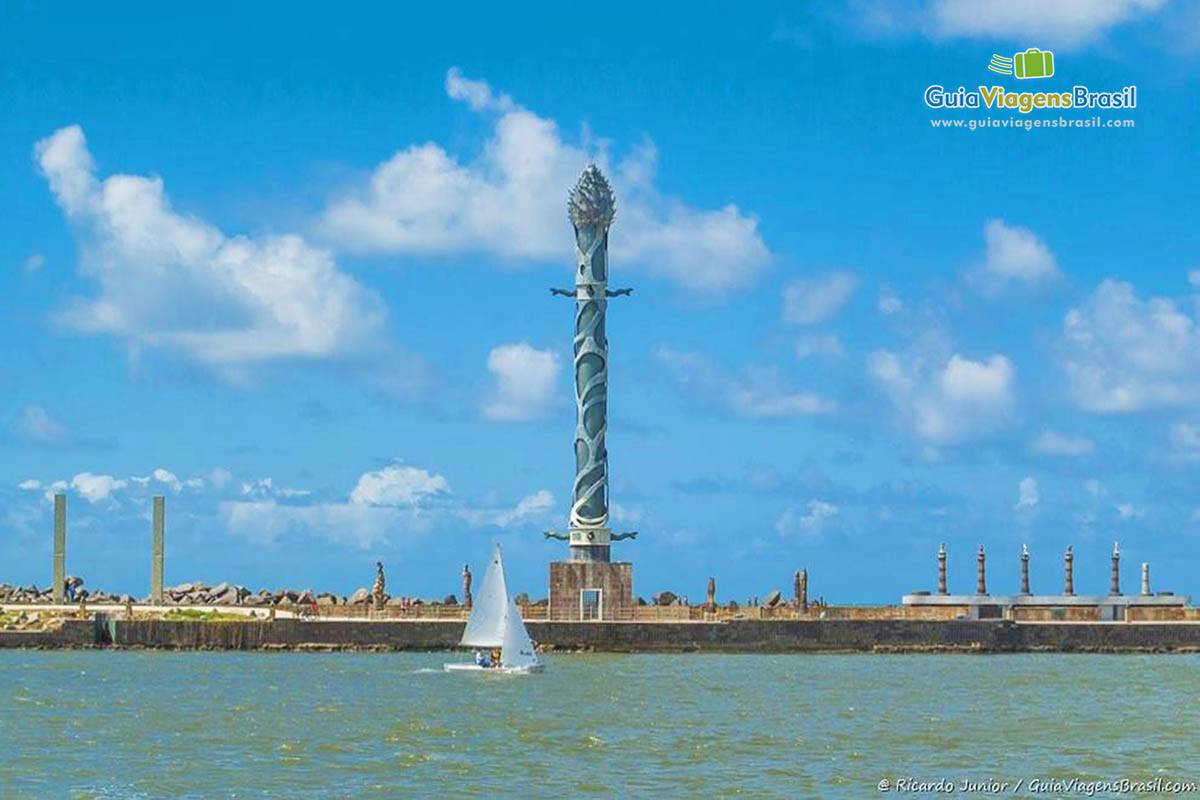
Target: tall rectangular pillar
58 588
156 556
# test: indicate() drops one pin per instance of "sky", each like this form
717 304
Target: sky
288 266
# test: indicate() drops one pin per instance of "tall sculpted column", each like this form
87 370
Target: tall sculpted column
1024 569
1069 587
591 207
981 582
942 570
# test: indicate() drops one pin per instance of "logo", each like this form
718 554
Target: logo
1033 63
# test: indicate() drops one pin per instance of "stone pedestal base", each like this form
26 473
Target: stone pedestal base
583 590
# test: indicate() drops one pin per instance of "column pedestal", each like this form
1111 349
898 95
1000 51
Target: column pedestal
591 590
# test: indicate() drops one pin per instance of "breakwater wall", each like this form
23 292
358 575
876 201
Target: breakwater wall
749 636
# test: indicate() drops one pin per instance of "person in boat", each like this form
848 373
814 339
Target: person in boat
495 659
480 659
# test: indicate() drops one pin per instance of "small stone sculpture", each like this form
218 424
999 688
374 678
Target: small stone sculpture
380 584
467 585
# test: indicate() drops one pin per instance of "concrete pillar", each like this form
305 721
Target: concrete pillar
942 570
981 583
804 590
1024 569
156 552
711 603
1069 589
1145 579
58 589
1114 587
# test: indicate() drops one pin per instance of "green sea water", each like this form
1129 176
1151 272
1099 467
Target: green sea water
200 725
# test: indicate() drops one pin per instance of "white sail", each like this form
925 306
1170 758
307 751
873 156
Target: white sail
517 650
485 628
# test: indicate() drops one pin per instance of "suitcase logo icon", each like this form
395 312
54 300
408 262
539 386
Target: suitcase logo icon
1033 63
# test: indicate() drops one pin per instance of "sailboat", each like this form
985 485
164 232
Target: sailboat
496 623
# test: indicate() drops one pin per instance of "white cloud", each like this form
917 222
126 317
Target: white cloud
34 263
1093 487
889 302
807 301
1062 23
622 515
95 488
35 422
961 400
1050 443
1127 511
54 488
219 478
169 280
477 94
263 488
1125 354
1028 495
1015 253
808 523
397 485
524 382
363 526
756 393
1194 277
823 345
510 202
397 501
536 506
30 485
168 478
1066 22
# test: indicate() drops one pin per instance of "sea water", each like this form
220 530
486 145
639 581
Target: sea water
94 724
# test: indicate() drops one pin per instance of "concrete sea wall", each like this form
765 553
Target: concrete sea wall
737 636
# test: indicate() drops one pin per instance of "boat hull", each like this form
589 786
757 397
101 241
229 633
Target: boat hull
502 670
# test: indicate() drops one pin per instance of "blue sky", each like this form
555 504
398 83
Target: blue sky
290 269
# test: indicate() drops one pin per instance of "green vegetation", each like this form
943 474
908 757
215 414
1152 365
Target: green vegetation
178 614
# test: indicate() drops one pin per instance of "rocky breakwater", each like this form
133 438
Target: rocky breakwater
231 594
35 595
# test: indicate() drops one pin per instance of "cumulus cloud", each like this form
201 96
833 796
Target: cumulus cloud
95 488
1128 511
1050 443
807 523
1064 23
263 488
36 424
947 402
363 526
1016 254
889 302
398 501
755 393
397 485
536 506
169 280
807 301
509 201
1123 354
1028 494
524 381
30 485
824 345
